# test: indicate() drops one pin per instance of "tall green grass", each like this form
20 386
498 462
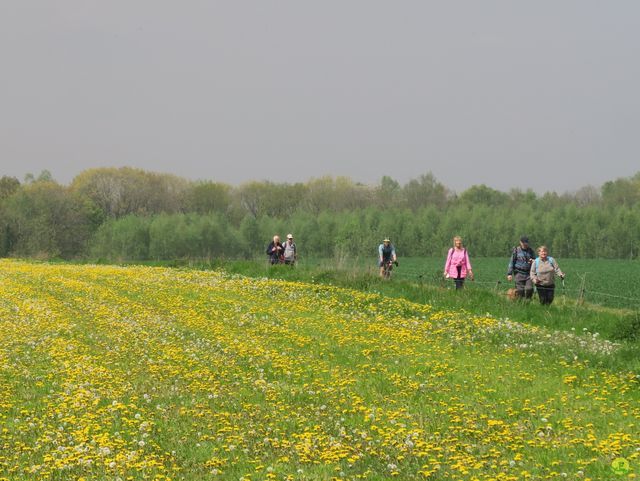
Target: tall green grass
607 282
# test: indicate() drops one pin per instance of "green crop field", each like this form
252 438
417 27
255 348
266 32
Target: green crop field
608 282
139 373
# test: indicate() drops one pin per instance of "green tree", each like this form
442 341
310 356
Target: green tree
251 242
388 193
123 239
254 197
44 176
124 191
624 192
425 191
47 220
8 187
483 195
208 197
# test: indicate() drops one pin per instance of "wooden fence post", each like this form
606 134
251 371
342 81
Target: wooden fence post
582 289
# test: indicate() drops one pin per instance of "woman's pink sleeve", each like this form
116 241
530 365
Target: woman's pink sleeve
448 261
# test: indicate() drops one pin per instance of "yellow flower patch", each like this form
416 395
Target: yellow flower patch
145 373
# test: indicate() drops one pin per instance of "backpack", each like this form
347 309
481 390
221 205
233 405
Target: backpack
387 253
551 261
514 255
293 246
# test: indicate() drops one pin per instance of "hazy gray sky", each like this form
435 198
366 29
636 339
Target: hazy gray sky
541 95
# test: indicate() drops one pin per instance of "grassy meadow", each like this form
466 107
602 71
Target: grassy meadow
420 280
606 282
132 373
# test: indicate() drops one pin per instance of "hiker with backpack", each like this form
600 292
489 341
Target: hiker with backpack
520 268
543 272
290 252
457 266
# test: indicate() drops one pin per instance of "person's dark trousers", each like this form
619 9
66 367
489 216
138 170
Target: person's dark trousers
545 293
459 280
524 286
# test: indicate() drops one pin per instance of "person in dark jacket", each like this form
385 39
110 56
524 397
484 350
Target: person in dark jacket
520 268
275 250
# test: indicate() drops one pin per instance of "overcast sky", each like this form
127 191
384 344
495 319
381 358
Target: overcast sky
541 95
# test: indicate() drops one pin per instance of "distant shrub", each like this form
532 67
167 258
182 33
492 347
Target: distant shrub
628 327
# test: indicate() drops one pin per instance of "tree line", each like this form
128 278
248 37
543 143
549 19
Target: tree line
119 214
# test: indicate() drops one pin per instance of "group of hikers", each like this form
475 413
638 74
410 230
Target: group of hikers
280 253
527 269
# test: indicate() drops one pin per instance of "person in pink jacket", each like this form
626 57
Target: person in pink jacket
458 266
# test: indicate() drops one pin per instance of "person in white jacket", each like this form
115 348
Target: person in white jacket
290 251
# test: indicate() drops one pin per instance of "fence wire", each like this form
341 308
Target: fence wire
586 293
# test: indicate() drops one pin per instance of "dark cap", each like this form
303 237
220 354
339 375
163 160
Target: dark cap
524 239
